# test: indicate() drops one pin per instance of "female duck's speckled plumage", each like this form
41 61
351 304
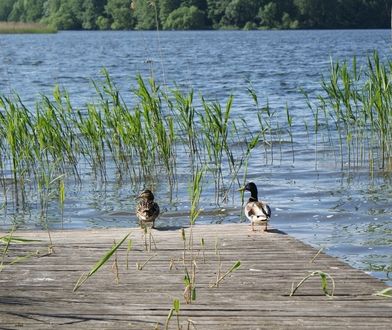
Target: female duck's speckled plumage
147 210
258 212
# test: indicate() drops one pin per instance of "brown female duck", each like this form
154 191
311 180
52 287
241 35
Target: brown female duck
147 210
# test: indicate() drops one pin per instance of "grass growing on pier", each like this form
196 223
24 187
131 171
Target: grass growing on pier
324 283
9 240
84 277
20 27
387 293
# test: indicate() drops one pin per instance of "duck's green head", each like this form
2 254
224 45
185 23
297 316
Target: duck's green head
250 186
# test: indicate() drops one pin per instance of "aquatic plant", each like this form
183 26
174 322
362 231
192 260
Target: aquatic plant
195 191
159 127
357 105
184 111
141 138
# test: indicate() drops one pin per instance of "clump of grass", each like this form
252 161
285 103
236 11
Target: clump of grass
215 122
141 139
9 239
184 111
35 147
160 128
190 276
21 27
357 103
189 283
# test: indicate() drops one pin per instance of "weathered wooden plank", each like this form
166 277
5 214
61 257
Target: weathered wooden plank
36 293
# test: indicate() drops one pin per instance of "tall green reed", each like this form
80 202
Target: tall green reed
141 137
158 127
185 113
16 134
215 122
269 126
357 103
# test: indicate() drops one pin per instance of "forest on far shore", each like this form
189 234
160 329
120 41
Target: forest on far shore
199 14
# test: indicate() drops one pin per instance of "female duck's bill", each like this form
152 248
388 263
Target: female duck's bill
258 212
147 210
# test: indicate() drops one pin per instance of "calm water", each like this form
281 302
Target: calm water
346 212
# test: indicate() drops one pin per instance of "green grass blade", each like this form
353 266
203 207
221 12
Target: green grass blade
13 239
176 305
235 266
107 256
99 264
384 293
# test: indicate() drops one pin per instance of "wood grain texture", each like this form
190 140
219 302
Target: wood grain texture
37 292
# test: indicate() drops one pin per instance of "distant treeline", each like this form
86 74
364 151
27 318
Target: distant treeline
199 14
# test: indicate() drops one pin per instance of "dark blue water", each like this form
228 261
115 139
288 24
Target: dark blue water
347 212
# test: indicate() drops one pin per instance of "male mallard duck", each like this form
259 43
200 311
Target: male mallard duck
147 210
258 212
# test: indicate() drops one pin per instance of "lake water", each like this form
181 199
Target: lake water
347 212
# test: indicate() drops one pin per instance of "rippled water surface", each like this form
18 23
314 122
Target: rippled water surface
347 212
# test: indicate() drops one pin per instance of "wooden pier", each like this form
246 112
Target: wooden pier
36 290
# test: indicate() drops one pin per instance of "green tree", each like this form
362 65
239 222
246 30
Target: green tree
186 18
317 13
64 14
247 14
288 22
239 12
49 10
166 7
5 9
33 10
103 23
119 12
17 12
216 11
269 16
201 4
146 13
363 14
91 10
